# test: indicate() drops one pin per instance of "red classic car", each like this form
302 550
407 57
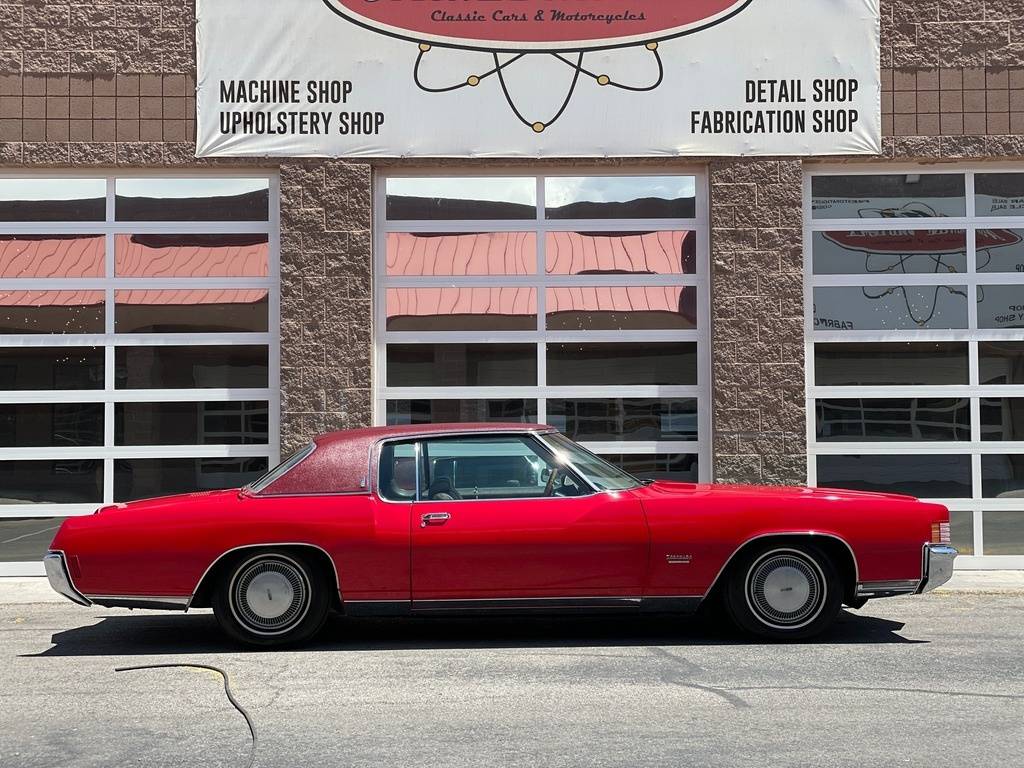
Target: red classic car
495 517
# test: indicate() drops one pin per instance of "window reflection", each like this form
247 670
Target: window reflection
175 199
51 312
479 253
890 252
621 253
47 368
63 481
918 418
203 423
1001 306
62 425
45 199
461 365
625 197
147 478
461 309
890 363
595 308
27 539
177 367
1000 250
890 308
192 255
961 531
888 196
617 364
471 198
600 419
228 310
999 194
928 476
1002 476
460 411
1003 532
677 467
51 256
1002 418
1001 362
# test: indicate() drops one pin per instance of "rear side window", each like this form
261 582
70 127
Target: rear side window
398 471
281 469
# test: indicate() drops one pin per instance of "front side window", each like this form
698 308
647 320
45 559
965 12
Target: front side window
480 468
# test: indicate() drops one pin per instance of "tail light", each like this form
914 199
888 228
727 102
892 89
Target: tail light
940 533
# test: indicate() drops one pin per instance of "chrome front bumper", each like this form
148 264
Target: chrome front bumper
60 580
937 567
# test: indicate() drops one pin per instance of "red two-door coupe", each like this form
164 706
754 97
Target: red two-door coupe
495 517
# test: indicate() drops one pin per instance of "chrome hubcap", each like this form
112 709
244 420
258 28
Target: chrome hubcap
270 595
785 589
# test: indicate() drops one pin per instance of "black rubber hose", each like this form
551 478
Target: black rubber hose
227 692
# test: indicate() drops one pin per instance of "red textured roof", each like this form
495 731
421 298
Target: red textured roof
343 460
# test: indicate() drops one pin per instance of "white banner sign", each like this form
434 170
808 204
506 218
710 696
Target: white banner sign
538 78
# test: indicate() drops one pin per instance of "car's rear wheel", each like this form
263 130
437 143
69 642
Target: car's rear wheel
271 598
784 592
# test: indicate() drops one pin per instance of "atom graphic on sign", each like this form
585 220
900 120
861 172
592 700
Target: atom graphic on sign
537 31
538 126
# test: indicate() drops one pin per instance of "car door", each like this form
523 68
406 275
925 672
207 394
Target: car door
499 518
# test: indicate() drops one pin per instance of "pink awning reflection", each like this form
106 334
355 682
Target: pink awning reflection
192 256
479 253
646 253
42 256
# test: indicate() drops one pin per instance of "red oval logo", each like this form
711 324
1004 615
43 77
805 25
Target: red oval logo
536 25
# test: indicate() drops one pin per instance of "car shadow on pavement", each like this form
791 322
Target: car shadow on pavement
152 633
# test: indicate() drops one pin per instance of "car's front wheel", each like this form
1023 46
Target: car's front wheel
784 592
271 598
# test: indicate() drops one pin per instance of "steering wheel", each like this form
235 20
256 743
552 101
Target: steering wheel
550 485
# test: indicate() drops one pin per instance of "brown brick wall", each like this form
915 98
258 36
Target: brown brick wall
757 321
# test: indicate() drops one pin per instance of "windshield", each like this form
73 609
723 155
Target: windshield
256 486
601 474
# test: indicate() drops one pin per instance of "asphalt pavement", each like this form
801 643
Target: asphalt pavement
930 680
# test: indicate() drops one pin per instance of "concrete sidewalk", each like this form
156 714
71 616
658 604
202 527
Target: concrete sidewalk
35 589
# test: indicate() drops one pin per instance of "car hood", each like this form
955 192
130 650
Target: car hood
164 503
772 491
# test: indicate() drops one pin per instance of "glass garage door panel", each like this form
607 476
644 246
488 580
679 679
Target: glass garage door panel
914 339
138 351
576 301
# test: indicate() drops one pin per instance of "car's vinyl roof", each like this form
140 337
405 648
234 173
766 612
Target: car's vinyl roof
413 430
342 460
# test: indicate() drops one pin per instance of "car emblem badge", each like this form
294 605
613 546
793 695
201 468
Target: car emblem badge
678 559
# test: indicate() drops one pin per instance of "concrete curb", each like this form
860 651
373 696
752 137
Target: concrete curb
18 590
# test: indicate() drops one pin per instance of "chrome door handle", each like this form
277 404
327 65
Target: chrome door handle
434 518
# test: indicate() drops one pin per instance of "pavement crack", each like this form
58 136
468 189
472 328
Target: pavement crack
879 689
676 677
227 692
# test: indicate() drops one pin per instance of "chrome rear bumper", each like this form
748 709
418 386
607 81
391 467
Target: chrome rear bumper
937 568
60 579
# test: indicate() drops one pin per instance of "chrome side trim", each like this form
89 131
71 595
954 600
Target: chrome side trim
258 545
808 534
157 602
891 588
59 576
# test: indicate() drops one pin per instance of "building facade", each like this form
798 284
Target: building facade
173 324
